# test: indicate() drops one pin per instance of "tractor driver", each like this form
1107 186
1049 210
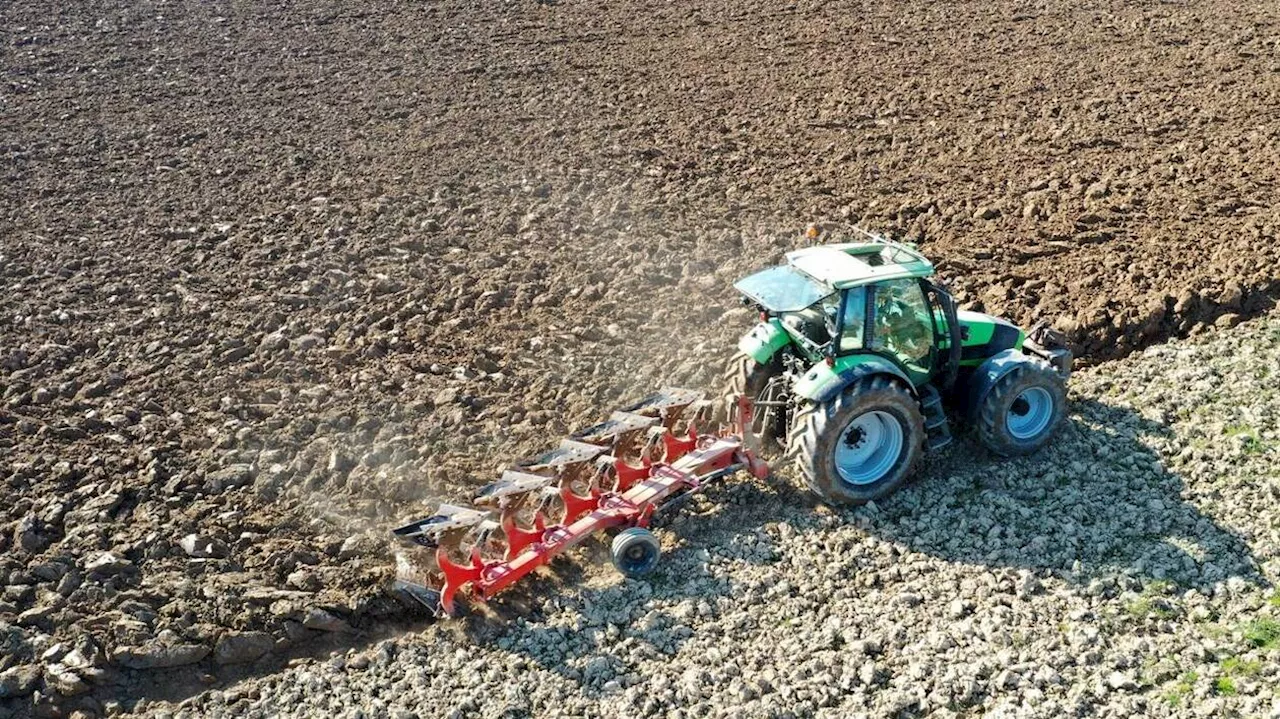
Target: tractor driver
901 320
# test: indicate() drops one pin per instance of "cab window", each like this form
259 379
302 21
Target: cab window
901 320
854 320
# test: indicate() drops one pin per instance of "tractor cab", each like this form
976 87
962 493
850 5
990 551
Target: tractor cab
838 301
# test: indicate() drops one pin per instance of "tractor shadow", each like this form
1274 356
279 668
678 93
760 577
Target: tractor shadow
1097 503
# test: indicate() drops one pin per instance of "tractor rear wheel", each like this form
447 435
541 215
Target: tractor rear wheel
745 376
1021 411
860 446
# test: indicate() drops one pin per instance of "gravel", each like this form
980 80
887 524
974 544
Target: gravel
1124 570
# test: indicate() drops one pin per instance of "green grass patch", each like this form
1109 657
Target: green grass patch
1238 430
1274 600
1143 607
1216 631
1234 668
1146 604
1179 691
1263 633
1250 442
1237 667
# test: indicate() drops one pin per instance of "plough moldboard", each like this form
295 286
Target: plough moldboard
610 477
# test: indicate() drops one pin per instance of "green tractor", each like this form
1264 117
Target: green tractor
859 357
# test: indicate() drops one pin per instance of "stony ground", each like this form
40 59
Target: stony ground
1127 570
277 275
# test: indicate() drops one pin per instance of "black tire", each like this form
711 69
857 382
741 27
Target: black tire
817 428
635 552
1008 397
744 375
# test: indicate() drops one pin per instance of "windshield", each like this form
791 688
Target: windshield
783 289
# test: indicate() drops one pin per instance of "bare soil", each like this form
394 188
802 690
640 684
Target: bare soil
279 275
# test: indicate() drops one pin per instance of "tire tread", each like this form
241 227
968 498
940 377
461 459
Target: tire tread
740 374
812 420
989 418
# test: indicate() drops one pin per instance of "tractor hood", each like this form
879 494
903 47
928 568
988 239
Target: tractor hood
783 289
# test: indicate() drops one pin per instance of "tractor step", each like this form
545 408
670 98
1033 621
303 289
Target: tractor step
937 428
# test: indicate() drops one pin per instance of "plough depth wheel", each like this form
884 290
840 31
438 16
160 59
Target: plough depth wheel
635 552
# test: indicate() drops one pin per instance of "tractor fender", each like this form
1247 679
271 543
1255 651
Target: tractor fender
987 375
764 340
824 381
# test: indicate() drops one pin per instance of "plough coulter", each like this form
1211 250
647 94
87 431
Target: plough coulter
611 477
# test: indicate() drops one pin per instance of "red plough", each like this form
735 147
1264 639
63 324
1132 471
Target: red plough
602 479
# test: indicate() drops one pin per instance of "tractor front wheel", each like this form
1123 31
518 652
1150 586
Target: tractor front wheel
860 446
1021 411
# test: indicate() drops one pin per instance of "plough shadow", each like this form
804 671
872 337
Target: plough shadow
1096 504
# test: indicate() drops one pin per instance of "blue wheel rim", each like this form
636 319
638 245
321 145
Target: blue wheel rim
637 558
868 448
1029 414
638 554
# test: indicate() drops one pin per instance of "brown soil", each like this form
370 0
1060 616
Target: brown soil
281 274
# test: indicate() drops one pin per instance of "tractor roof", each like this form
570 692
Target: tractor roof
850 264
